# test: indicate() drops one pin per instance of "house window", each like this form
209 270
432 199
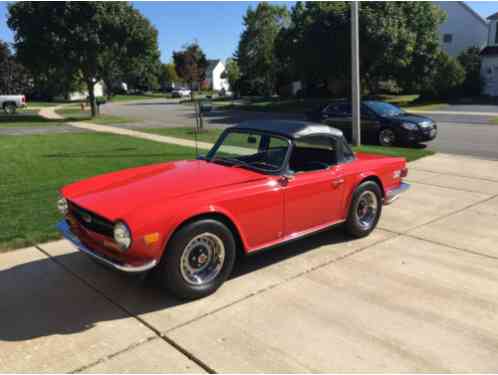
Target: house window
496 33
447 38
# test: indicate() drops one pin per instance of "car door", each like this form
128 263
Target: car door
312 197
370 124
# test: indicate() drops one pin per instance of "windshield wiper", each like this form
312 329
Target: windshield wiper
230 161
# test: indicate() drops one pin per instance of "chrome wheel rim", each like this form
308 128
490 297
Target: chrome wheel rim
202 259
387 137
366 209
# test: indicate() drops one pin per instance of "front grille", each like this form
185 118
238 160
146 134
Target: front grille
91 221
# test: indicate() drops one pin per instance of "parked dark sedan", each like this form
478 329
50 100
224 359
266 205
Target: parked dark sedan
381 122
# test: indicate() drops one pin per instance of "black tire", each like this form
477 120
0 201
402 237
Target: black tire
9 108
387 137
355 226
171 273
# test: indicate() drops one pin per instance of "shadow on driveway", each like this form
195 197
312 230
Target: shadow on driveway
40 299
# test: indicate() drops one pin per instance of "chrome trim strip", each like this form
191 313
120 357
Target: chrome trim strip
296 236
393 194
65 230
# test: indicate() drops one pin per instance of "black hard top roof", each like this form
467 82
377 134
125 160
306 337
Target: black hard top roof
289 128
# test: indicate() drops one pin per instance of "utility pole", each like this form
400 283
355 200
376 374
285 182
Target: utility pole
355 74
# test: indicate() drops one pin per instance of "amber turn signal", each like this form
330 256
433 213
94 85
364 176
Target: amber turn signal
151 238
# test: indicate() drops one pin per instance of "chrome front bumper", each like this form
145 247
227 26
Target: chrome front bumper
393 194
64 228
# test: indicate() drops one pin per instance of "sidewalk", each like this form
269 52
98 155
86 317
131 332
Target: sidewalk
420 294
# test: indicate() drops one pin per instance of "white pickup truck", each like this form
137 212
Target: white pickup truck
10 103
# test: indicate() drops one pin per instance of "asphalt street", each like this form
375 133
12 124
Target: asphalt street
464 134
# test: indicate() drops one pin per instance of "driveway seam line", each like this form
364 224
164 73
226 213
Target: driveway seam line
453 213
270 287
452 246
452 188
456 174
111 356
157 333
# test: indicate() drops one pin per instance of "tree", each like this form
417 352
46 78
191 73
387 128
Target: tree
191 65
471 63
14 78
167 75
232 74
447 76
397 40
89 40
256 50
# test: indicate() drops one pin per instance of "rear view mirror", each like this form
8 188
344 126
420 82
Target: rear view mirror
251 140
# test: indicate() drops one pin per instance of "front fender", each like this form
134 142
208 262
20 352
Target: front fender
207 210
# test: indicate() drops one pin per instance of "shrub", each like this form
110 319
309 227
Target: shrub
471 63
446 78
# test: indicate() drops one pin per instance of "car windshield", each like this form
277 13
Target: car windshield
253 150
384 109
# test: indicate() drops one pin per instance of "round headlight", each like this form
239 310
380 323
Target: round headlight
409 126
122 235
62 205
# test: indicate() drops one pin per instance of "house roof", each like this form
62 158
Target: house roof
489 50
212 64
494 16
473 12
290 129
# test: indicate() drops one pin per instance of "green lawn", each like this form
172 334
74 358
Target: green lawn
74 113
41 104
410 154
127 98
272 105
408 102
211 135
25 118
34 167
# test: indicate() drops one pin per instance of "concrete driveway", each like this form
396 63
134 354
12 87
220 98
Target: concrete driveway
419 294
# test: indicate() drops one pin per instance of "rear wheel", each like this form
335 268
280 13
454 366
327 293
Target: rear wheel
387 137
198 260
9 108
365 209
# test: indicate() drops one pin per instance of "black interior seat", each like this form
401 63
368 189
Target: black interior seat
305 159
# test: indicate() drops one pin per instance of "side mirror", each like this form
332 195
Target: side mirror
251 140
201 157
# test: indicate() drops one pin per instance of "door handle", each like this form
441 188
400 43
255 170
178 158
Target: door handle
337 182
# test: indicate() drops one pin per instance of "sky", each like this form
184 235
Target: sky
215 25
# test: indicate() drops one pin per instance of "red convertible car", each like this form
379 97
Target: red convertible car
262 184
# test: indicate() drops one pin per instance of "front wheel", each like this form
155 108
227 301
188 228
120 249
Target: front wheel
387 137
198 259
365 209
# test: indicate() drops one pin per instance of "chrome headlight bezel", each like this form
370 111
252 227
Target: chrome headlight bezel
409 126
122 235
62 205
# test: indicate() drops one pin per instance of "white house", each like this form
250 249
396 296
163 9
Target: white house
214 71
82 95
462 29
489 59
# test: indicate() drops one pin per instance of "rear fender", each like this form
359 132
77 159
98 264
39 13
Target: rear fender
358 180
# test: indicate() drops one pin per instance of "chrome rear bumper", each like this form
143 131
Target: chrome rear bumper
64 228
393 194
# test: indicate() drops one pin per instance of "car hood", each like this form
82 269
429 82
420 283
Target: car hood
115 194
410 117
